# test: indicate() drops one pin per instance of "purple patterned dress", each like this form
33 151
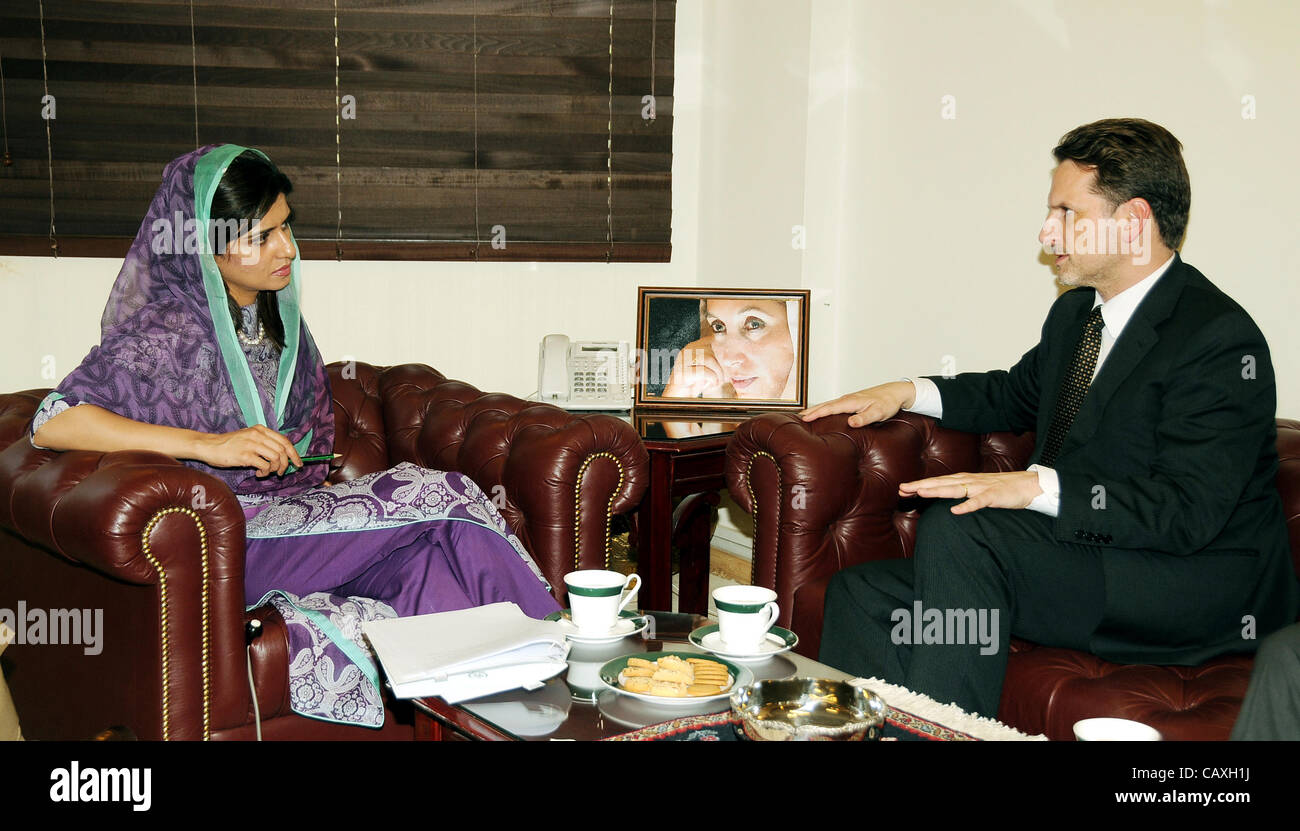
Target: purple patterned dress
398 542
403 541
419 540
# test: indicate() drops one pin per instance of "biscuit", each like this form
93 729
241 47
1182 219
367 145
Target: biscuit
668 689
673 662
672 677
637 685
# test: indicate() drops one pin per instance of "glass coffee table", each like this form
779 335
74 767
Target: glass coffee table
575 705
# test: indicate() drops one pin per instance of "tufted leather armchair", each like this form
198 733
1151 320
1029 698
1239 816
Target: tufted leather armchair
121 532
825 496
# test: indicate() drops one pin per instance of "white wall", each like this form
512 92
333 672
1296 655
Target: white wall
828 114
930 224
480 322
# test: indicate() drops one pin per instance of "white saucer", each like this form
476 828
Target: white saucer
630 623
778 640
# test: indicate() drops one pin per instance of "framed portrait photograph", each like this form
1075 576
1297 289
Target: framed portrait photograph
722 349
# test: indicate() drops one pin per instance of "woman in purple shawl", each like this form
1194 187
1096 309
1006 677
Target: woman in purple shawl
205 356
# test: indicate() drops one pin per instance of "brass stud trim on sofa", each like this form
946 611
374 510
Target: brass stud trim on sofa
577 505
166 618
753 500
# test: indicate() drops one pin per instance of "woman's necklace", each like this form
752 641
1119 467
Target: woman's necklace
250 341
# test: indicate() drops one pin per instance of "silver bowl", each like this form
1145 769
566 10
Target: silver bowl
808 709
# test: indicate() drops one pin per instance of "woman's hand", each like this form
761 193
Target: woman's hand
87 427
696 373
257 447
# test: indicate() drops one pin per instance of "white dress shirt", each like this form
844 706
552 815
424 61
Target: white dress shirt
1115 313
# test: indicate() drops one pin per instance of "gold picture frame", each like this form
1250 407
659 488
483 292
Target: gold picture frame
722 349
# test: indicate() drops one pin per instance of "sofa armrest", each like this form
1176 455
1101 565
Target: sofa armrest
825 495
557 477
135 519
359 435
804 485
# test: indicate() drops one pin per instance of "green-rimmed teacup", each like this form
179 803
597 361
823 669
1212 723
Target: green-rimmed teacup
594 596
745 613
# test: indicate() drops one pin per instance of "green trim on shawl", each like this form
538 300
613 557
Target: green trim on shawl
345 644
207 175
301 446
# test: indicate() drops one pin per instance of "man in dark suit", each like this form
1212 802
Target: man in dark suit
1149 529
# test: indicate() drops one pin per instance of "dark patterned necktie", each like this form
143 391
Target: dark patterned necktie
1074 386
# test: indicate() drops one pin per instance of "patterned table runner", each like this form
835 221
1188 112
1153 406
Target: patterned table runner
725 727
924 720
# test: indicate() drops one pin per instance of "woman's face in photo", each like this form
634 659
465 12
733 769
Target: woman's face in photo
751 339
262 258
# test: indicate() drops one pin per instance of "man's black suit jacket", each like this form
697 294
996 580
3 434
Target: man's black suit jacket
1168 470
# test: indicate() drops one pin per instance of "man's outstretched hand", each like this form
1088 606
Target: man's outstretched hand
980 490
868 406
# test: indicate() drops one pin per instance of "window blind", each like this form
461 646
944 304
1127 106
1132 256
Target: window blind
418 129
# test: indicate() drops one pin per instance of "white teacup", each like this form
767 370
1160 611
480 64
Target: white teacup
1114 730
745 613
594 598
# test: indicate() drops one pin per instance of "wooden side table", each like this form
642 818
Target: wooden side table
687 458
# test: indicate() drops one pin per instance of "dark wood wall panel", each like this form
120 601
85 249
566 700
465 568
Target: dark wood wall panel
443 146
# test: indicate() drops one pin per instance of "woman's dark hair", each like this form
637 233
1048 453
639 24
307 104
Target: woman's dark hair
1135 158
248 190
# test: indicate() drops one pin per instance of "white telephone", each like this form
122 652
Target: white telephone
584 375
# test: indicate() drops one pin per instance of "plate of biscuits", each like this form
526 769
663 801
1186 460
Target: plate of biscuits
671 678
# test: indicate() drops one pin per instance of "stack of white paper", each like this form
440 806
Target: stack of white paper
468 653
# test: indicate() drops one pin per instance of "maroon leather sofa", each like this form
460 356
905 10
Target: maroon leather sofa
118 532
825 496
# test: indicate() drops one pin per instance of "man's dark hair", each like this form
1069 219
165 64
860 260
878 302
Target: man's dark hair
1133 159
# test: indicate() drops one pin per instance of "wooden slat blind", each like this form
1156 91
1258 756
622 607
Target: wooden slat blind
473 119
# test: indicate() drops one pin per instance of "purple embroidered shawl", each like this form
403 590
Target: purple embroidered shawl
162 360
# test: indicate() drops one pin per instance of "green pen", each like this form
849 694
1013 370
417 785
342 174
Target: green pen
328 457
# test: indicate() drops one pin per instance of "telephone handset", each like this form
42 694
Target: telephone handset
584 375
